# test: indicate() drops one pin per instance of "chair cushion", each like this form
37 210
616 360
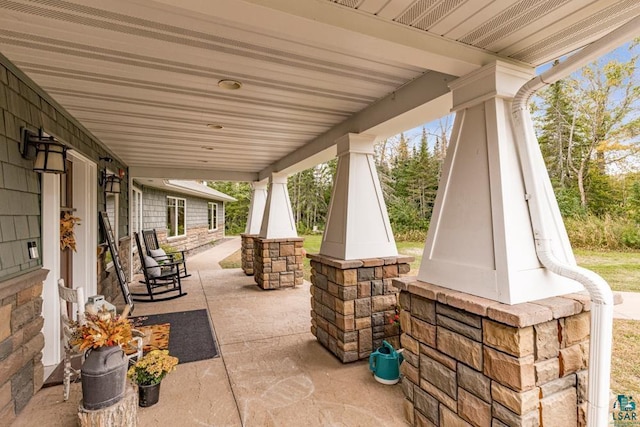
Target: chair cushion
153 270
159 254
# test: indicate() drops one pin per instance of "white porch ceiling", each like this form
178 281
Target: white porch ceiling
142 75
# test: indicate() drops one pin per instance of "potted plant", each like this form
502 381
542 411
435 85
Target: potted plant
148 373
105 366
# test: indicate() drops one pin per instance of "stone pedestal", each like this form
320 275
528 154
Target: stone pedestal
248 253
21 342
473 361
278 262
353 303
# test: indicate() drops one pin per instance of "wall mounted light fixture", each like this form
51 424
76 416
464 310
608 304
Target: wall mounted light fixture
50 155
110 181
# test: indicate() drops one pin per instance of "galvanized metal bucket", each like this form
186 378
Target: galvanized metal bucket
104 375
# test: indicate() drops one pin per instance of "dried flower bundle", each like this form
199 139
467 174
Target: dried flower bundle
102 329
67 237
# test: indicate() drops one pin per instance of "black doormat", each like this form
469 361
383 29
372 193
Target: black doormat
190 337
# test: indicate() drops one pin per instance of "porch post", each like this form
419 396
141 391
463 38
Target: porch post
353 305
480 240
358 223
254 222
278 249
487 340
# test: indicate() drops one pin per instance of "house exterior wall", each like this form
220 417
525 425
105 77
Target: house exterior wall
23 104
154 206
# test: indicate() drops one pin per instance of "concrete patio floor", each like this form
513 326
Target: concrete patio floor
272 371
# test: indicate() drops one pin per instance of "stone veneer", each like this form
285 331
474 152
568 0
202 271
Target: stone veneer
21 342
196 238
278 262
248 253
353 303
470 361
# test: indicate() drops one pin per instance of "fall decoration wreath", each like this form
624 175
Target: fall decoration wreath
67 237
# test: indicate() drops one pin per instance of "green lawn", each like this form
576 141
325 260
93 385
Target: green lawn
232 261
625 368
620 269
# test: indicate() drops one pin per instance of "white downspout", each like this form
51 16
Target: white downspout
599 290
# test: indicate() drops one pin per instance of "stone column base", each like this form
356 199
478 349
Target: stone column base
21 342
278 262
248 253
353 304
472 360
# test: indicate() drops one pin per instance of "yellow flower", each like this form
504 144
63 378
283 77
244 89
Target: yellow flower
152 368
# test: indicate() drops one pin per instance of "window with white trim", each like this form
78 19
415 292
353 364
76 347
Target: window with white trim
112 202
176 216
136 211
213 216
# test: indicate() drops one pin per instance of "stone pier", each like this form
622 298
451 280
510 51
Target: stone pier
353 303
278 262
470 361
21 342
248 253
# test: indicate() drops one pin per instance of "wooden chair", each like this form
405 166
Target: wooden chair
158 278
74 299
70 299
154 250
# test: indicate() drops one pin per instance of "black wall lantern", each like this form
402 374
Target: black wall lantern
111 182
50 155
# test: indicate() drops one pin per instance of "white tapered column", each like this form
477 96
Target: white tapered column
358 223
277 221
256 207
278 249
480 240
254 222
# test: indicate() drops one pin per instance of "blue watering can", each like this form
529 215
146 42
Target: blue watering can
385 364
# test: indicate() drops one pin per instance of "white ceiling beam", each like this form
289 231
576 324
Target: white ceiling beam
189 173
424 99
326 25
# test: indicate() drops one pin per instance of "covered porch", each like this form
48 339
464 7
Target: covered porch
271 372
254 91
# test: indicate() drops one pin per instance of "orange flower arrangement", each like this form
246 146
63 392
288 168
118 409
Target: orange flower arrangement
102 329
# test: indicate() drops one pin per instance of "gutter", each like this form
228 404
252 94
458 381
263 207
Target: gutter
599 290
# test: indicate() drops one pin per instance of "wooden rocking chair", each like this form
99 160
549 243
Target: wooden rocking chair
159 278
154 250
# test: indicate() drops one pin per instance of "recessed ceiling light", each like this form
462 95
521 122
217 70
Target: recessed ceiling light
207 148
229 84
215 126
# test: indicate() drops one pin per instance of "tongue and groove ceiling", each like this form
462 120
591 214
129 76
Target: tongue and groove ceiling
142 75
